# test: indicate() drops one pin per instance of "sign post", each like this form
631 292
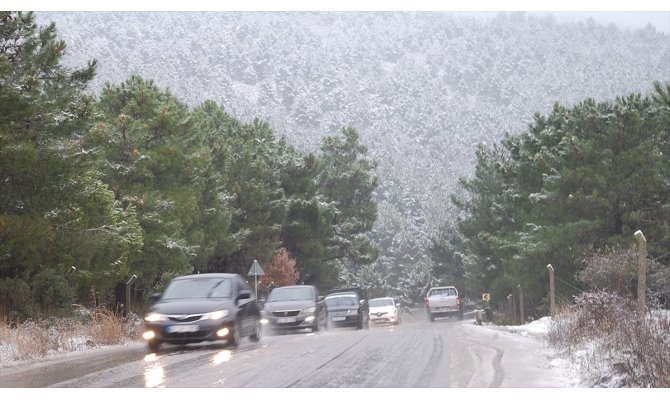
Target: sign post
256 271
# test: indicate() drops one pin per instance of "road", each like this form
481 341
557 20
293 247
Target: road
416 354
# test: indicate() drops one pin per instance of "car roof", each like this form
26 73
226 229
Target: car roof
443 287
342 294
293 287
383 298
208 275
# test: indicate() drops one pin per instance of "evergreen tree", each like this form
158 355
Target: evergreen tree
153 161
249 159
575 181
54 210
346 177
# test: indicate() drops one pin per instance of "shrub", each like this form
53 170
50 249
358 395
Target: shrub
623 349
51 291
16 299
107 327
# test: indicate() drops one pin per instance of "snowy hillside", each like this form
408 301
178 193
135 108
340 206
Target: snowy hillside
423 89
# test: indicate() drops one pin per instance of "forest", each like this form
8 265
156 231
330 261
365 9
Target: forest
118 170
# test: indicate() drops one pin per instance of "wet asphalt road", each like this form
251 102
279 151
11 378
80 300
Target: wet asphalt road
446 354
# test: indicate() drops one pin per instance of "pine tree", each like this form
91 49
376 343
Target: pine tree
55 212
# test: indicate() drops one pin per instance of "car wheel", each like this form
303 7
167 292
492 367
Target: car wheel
256 336
235 337
154 345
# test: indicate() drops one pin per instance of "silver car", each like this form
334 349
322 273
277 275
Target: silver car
294 307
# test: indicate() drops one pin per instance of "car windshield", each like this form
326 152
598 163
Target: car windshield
341 301
442 292
292 293
381 302
198 288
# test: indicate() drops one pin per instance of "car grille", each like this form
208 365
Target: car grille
184 335
184 318
291 313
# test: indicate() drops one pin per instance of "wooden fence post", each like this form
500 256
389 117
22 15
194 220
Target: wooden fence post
641 273
513 307
521 316
552 292
126 309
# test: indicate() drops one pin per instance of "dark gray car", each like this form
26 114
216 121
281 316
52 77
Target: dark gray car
203 307
348 307
295 307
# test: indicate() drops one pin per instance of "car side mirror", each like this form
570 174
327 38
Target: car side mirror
244 295
155 297
319 298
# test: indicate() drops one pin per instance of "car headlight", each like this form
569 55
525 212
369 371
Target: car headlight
214 315
310 310
352 311
155 317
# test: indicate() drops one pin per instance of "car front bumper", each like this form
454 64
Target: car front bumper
192 332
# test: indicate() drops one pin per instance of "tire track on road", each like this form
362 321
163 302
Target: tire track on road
293 384
498 372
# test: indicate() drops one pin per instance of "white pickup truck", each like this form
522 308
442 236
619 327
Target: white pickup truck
443 301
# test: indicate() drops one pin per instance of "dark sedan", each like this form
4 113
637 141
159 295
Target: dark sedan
347 309
295 307
203 307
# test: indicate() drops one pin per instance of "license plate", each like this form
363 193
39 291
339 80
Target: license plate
339 318
181 328
286 320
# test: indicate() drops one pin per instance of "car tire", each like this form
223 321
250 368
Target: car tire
256 336
154 345
235 336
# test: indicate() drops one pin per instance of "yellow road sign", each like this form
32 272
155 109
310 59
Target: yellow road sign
486 296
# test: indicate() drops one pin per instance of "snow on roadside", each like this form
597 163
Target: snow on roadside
558 359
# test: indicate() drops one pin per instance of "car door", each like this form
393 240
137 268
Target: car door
246 303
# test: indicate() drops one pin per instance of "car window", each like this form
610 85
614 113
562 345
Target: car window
198 288
380 302
287 294
341 301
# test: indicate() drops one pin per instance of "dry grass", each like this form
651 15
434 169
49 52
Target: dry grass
106 327
623 349
31 340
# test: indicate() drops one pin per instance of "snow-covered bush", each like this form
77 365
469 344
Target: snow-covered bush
612 344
